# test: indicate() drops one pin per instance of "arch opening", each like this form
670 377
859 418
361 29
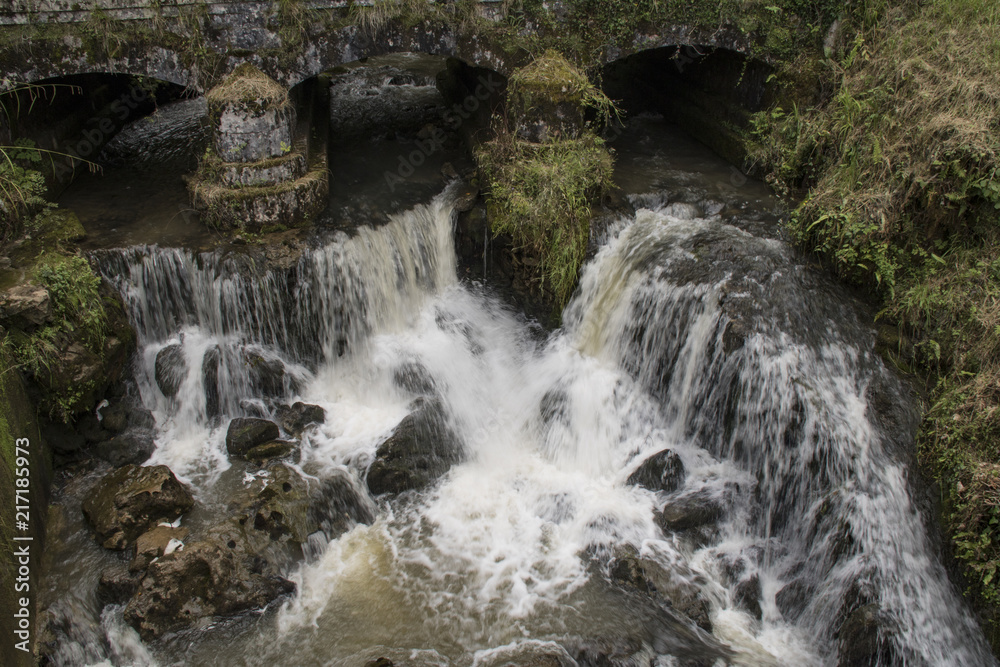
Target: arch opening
709 92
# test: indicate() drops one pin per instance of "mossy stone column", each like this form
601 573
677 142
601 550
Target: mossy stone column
252 118
256 177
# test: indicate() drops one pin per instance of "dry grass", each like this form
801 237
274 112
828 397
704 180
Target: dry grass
248 85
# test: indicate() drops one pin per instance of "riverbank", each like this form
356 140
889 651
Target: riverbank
898 168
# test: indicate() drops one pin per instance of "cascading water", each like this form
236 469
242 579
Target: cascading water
692 331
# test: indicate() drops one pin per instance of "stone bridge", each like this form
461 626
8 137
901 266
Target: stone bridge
196 43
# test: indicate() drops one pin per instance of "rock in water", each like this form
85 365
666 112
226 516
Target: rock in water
219 575
132 499
687 512
421 449
170 369
294 419
245 433
662 471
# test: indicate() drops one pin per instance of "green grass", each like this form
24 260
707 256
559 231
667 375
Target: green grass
898 168
540 193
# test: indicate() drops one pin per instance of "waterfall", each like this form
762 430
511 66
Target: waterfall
686 333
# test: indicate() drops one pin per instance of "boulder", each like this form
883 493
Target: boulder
26 306
210 381
746 595
673 589
126 413
152 544
220 575
133 447
245 433
336 505
266 375
865 638
117 585
420 450
662 471
276 505
132 499
170 369
296 417
689 512
414 378
792 599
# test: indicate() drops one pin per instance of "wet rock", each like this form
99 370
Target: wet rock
210 380
607 652
792 599
414 378
152 544
296 418
865 638
130 500
336 505
526 655
673 589
689 512
91 429
275 449
126 413
170 369
132 447
25 306
683 210
220 575
275 505
421 449
746 595
379 662
734 336
245 433
117 585
662 471
266 375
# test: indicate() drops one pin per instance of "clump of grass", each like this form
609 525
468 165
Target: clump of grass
900 169
540 195
248 85
552 79
79 314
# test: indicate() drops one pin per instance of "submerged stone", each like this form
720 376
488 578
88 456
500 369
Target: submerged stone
170 369
421 449
662 471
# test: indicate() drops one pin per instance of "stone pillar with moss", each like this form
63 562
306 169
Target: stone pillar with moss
545 169
259 173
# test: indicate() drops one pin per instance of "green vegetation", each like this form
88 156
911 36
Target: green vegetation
899 168
540 193
79 315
